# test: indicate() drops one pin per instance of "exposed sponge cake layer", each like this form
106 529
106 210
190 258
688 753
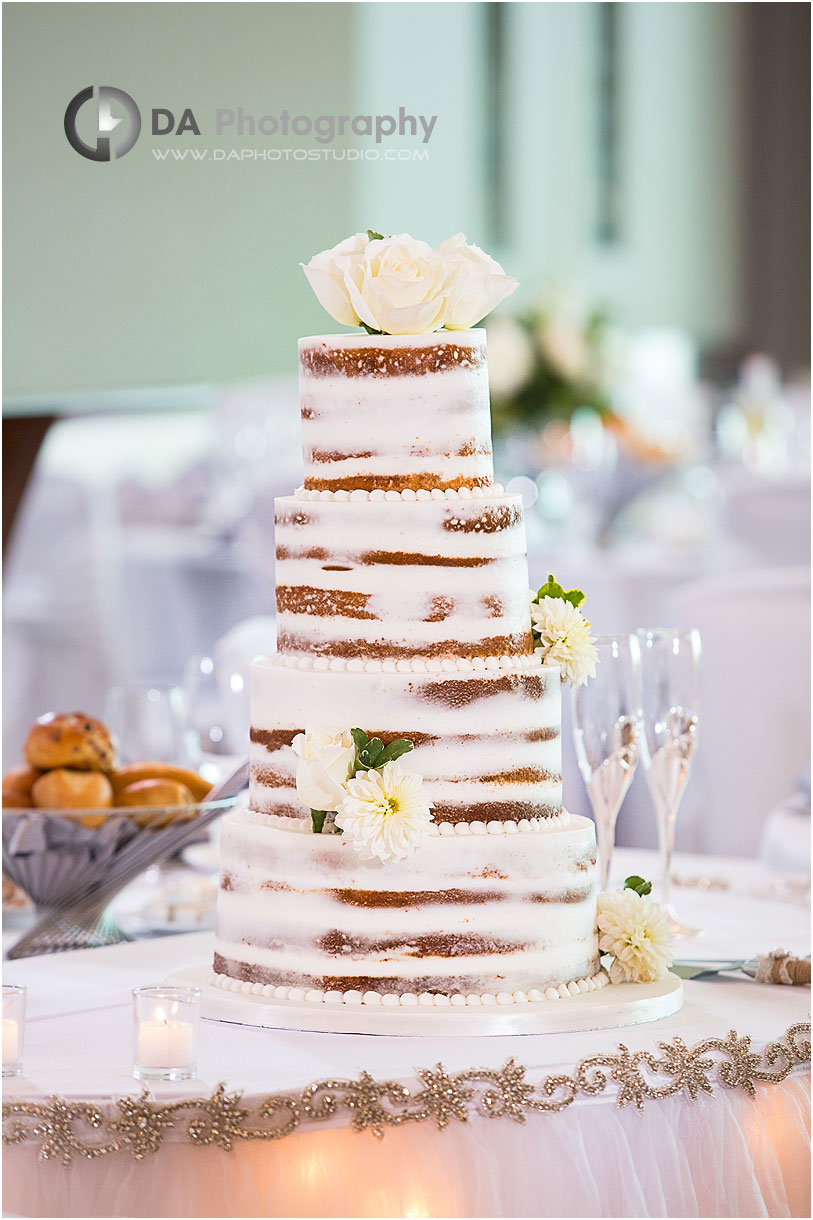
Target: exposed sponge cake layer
399 579
395 411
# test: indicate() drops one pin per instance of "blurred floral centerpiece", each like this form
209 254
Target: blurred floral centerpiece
548 362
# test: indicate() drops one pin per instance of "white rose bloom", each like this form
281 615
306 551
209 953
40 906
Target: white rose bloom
401 286
395 285
564 635
398 286
634 930
326 275
510 357
385 814
476 283
326 758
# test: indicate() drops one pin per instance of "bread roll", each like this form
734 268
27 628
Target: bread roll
17 784
135 772
155 792
66 789
16 800
71 740
167 795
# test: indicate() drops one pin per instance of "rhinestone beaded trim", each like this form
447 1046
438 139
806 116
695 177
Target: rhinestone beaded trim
139 1125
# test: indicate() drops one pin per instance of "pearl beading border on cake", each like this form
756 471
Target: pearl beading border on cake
443 830
422 494
413 665
411 999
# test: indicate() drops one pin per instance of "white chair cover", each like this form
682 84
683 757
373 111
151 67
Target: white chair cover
754 737
771 519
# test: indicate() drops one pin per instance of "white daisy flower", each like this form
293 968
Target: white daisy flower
563 633
633 929
385 814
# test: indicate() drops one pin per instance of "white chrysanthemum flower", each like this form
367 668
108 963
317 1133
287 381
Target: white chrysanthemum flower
564 635
634 930
385 814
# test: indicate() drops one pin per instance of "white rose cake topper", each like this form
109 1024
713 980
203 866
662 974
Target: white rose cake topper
401 286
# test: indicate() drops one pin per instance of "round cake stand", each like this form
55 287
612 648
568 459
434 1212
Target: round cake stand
612 1007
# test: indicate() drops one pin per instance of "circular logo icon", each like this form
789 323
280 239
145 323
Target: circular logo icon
105 123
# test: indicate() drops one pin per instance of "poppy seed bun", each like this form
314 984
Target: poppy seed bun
71 740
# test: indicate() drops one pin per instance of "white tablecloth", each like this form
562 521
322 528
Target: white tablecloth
724 1154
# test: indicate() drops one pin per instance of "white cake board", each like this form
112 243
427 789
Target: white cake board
612 1007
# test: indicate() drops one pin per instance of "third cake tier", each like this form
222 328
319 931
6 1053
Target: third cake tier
486 733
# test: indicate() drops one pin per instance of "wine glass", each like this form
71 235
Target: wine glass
148 721
217 713
606 731
671 681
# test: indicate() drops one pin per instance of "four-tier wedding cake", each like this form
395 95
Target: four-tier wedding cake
451 873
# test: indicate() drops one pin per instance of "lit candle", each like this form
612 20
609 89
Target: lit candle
11 1041
165 1044
165 1032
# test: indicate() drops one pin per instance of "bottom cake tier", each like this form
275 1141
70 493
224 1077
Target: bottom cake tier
480 914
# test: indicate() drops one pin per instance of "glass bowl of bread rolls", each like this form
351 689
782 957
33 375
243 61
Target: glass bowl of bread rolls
77 827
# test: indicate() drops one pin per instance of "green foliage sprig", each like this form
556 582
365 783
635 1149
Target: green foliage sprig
552 588
372 754
638 884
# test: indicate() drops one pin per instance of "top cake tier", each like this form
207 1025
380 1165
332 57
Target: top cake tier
395 411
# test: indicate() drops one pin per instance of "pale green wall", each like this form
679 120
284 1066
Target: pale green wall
679 256
134 271
138 272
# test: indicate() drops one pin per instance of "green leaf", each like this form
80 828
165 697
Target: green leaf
318 818
360 738
368 757
638 885
401 745
370 330
552 588
373 236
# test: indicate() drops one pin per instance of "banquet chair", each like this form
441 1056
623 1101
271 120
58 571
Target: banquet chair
754 733
771 519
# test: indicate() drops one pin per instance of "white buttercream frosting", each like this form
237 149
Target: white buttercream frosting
422 495
455 999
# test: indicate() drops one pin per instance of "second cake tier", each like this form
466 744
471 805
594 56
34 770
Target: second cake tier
388 577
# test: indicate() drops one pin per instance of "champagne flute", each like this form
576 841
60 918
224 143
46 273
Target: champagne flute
606 730
671 680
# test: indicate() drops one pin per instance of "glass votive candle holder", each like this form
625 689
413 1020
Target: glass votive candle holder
166 1021
13 1028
